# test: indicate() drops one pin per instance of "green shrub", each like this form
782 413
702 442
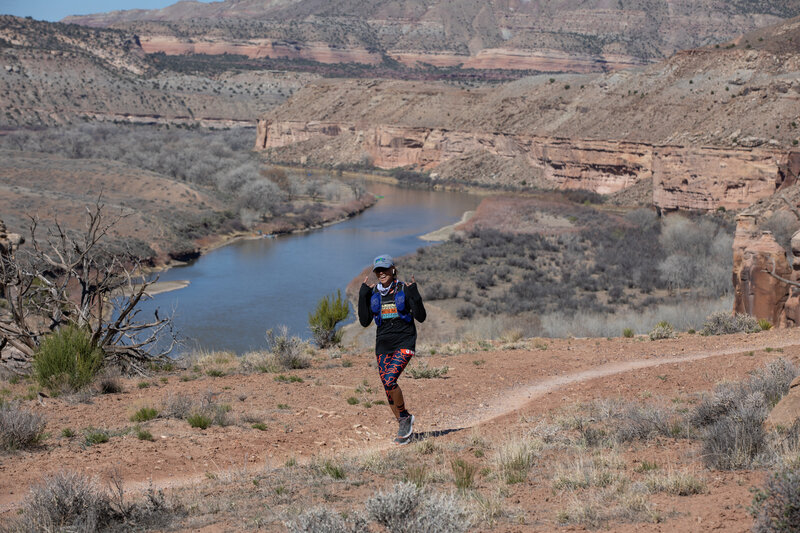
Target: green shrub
331 469
627 333
322 322
723 323
144 414
199 420
96 436
67 359
662 330
143 434
764 324
463 473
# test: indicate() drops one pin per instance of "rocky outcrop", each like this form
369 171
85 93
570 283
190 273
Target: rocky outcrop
9 242
260 48
755 255
708 178
544 60
683 177
787 411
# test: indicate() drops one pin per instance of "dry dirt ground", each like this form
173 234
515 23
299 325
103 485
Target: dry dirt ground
238 477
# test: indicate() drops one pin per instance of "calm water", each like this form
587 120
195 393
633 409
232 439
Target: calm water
239 291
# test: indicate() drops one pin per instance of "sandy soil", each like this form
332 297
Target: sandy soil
487 389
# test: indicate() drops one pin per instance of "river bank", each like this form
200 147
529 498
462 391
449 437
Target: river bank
282 226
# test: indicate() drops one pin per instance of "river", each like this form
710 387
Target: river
239 291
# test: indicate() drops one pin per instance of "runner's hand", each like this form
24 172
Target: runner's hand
366 278
413 281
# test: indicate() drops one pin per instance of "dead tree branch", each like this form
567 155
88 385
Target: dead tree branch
75 279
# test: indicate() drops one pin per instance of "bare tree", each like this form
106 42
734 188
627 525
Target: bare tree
66 278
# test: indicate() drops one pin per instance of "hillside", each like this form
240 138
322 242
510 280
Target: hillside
519 435
709 96
63 73
725 115
161 217
569 35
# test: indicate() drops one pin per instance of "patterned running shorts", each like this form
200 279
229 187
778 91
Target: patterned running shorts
390 366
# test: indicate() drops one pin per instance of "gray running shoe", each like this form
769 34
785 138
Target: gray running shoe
406 427
400 442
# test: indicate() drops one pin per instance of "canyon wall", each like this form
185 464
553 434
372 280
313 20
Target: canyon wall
683 177
545 60
259 48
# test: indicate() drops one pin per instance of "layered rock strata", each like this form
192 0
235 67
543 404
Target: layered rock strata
545 60
259 48
683 177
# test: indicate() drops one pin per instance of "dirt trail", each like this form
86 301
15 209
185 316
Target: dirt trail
511 400
476 392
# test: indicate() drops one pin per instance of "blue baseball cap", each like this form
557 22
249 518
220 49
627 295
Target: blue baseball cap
383 261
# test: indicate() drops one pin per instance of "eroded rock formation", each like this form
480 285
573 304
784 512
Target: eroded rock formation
755 255
683 177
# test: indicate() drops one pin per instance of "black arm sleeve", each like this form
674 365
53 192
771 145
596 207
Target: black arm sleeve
415 302
364 312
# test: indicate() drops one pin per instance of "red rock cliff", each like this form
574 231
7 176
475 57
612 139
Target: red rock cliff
683 177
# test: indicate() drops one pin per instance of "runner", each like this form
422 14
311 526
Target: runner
394 306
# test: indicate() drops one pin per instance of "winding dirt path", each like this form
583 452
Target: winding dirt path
311 418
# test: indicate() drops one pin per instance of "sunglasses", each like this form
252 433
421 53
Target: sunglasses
379 271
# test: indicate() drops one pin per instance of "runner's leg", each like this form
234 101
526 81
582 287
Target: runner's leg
390 366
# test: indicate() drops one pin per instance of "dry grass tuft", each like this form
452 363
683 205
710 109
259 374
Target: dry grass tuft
515 457
678 483
19 428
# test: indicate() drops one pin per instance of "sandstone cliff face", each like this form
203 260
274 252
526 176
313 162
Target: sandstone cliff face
683 177
708 178
544 60
755 254
260 48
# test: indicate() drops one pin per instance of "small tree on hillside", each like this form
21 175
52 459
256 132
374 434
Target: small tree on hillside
322 322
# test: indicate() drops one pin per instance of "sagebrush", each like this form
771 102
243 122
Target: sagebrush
776 507
723 323
19 428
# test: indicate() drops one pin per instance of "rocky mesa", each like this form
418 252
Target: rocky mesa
570 36
714 127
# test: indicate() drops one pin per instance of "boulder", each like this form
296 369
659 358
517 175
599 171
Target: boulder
755 254
786 413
